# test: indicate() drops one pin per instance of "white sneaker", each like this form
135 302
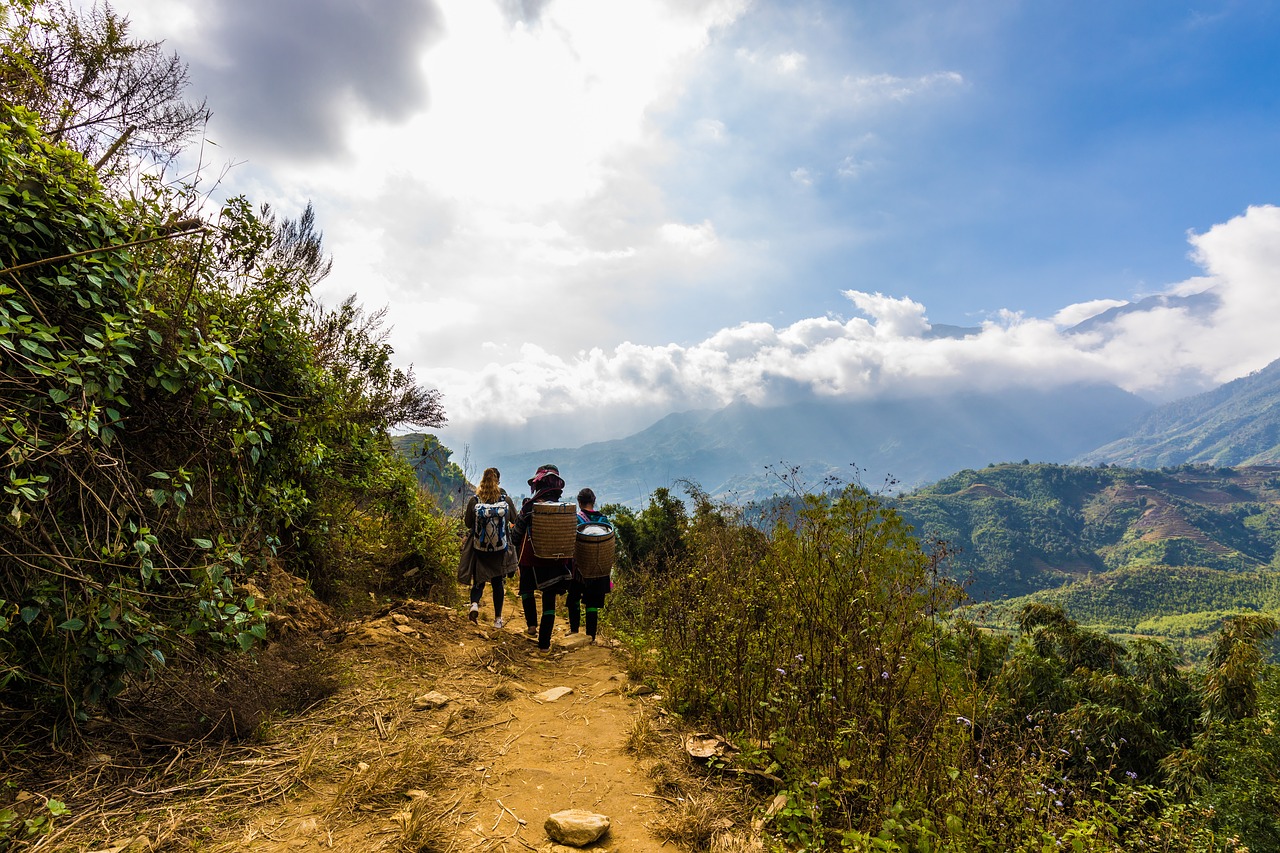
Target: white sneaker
499 622
474 614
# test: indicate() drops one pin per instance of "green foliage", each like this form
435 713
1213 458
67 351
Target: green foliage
441 477
174 416
95 88
829 646
28 820
653 537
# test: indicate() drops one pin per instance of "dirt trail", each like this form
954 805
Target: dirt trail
373 768
495 754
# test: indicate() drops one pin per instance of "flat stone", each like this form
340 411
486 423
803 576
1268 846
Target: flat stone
405 629
574 641
430 701
576 827
553 694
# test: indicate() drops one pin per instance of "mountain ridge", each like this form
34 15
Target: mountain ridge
730 451
1237 423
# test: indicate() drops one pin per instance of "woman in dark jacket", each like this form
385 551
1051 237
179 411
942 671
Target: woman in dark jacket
545 485
490 567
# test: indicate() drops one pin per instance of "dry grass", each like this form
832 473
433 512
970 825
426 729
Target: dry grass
642 737
385 781
666 781
425 827
696 820
183 795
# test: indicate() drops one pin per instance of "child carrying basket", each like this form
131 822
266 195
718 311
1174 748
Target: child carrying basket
593 563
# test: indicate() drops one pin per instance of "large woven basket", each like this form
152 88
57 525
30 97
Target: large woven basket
594 554
555 530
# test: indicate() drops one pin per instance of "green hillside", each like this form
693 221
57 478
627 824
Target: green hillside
1169 554
441 477
1019 529
1235 424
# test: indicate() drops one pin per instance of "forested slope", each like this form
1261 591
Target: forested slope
1235 424
1022 528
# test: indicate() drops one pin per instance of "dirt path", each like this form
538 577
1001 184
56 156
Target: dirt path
375 768
487 767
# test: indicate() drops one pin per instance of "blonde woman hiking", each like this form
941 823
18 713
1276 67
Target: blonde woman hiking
488 515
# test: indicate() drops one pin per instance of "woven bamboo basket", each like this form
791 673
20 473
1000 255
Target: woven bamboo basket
594 554
555 530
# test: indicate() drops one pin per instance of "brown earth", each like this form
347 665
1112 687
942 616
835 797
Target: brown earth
372 768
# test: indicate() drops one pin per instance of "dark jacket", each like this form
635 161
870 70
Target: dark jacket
487 565
546 486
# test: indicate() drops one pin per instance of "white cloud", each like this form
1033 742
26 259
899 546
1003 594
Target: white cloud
1158 352
1081 311
802 176
710 131
789 62
866 88
697 239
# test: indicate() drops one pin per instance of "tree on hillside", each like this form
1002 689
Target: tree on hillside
94 87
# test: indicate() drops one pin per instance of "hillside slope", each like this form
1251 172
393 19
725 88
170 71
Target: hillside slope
1235 424
1022 529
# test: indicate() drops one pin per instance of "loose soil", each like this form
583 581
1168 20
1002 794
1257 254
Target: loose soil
372 768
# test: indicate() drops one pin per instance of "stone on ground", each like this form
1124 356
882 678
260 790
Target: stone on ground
576 827
553 694
431 701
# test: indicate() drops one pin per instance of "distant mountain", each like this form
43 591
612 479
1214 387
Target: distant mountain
1234 424
736 452
1196 304
1023 529
1167 553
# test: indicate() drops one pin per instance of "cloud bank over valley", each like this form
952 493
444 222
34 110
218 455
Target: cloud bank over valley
589 215
1159 349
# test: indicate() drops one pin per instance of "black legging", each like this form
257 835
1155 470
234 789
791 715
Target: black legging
499 594
591 593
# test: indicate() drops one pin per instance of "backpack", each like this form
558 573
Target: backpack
491 526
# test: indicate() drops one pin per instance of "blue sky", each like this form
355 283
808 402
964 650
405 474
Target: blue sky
605 211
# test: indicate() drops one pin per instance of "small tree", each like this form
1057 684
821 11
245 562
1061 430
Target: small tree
94 87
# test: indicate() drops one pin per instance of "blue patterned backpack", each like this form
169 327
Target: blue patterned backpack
491 526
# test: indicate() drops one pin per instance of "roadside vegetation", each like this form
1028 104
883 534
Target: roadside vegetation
828 648
180 420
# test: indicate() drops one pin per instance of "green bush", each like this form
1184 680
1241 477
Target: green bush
177 413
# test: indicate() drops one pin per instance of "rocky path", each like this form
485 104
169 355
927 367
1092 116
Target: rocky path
445 736
560 743
480 737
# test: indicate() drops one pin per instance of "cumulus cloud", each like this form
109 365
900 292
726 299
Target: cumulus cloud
866 88
1169 348
285 76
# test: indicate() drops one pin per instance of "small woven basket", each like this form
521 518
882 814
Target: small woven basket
594 555
555 530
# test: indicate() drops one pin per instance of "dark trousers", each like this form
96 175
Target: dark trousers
499 594
590 592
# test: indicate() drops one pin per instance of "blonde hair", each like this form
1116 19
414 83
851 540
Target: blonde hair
488 491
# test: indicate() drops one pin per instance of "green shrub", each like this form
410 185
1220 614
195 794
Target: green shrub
177 413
